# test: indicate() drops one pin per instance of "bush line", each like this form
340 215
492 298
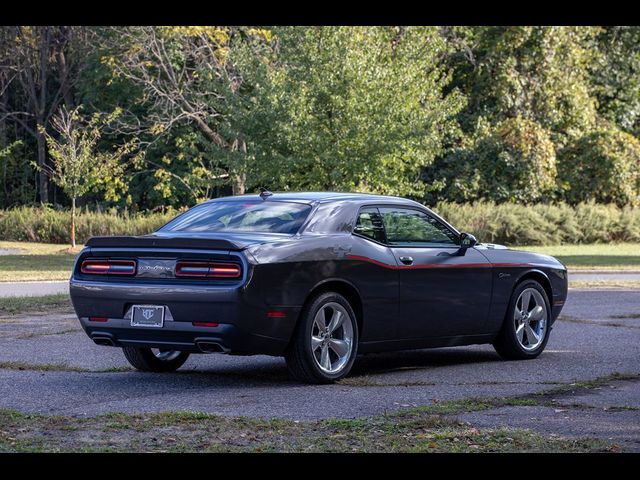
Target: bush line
511 224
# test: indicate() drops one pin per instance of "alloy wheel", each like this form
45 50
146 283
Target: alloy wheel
530 318
331 338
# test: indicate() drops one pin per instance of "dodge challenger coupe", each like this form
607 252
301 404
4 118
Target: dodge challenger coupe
314 277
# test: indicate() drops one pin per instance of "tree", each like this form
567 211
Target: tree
45 61
615 76
602 166
513 161
187 78
351 108
537 73
77 164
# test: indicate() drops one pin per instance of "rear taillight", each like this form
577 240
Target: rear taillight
108 267
205 324
207 270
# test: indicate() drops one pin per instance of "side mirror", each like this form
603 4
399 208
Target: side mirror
466 241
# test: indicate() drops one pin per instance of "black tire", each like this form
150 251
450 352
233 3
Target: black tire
145 360
506 343
299 356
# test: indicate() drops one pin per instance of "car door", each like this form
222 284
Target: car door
444 290
376 276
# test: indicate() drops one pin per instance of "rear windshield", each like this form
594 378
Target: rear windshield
263 216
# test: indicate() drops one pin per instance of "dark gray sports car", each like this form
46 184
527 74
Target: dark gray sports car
316 277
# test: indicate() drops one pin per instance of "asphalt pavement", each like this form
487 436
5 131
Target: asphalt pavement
48 365
33 289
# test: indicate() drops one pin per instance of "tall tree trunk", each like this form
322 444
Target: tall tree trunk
239 183
43 180
73 222
3 121
239 180
63 72
3 140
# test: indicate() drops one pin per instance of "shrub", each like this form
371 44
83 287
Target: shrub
602 166
36 224
507 223
514 161
544 224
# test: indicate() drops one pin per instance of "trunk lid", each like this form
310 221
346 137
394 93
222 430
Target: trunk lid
217 241
178 258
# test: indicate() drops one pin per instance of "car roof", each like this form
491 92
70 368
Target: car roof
311 197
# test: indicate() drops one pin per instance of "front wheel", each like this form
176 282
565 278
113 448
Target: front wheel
525 331
325 342
155 360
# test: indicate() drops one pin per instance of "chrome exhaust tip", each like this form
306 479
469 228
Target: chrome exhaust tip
102 340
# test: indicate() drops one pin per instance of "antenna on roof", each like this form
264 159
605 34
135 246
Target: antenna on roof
264 193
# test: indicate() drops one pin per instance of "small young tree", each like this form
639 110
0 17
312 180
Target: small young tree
78 165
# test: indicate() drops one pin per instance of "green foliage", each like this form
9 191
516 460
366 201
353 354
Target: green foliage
354 108
544 224
78 166
448 113
603 166
511 224
42 224
514 161
17 175
615 76
539 73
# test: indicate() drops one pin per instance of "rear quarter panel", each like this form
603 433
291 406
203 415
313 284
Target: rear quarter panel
288 272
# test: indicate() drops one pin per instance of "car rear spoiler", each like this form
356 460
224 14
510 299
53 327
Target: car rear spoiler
147 241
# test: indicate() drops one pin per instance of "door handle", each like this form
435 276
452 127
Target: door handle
406 260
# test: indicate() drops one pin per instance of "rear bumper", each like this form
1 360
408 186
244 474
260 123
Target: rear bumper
224 338
243 324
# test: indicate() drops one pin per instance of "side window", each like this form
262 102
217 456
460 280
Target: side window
412 227
369 224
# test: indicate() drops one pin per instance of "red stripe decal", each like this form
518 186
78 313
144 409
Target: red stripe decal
435 265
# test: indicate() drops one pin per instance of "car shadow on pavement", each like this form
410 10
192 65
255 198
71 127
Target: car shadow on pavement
271 371
389 362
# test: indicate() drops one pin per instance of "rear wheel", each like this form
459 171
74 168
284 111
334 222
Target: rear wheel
154 359
325 342
526 328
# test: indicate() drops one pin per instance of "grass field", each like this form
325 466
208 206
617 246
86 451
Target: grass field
615 256
45 261
36 261
408 431
46 303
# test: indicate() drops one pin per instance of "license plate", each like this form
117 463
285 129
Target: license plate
147 316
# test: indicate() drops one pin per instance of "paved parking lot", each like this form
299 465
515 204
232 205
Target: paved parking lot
48 365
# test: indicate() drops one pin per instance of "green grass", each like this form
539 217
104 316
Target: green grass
189 431
58 367
622 256
42 367
46 303
36 261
